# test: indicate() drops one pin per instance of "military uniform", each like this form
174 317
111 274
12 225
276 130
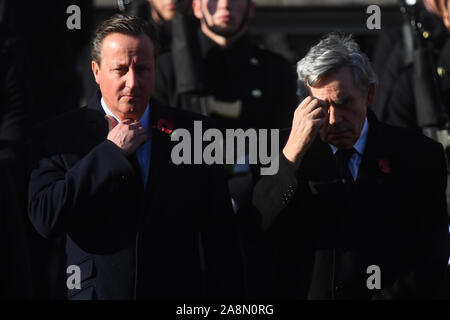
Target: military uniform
394 64
241 86
396 103
401 105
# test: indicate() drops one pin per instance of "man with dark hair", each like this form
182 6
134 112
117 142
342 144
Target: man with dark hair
357 209
137 225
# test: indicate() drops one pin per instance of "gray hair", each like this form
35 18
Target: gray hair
332 53
124 24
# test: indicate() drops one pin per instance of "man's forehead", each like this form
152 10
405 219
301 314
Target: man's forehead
337 89
124 47
339 80
126 59
120 41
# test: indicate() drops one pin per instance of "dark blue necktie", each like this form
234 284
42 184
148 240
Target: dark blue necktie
342 158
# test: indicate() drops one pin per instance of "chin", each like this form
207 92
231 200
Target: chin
341 143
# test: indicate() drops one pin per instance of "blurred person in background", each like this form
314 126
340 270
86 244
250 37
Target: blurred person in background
164 13
16 280
414 71
396 100
222 74
50 53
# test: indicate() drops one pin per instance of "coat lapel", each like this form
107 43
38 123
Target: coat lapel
320 168
97 125
161 149
377 151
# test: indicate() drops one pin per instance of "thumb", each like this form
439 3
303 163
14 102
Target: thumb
111 122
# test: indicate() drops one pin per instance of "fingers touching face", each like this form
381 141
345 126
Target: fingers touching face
346 108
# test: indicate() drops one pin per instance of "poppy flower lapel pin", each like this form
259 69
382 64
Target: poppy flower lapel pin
165 126
384 165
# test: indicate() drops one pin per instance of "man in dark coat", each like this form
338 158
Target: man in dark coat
137 225
357 209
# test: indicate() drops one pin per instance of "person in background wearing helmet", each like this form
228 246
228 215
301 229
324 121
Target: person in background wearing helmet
236 82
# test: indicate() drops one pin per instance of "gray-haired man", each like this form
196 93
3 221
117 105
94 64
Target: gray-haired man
357 209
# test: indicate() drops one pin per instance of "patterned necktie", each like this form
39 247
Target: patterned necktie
342 157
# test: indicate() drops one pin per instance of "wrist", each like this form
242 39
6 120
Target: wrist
294 158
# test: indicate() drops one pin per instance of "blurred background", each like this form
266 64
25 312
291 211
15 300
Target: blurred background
288 27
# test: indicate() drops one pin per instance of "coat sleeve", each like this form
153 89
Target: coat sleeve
56 193
273 193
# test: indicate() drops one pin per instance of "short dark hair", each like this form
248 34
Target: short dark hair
124 24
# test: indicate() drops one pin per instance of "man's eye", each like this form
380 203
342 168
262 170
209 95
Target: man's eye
341 103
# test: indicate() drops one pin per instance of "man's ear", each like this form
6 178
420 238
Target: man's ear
95 69
371 94
197 9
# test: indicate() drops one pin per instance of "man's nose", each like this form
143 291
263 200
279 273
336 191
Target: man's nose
223 3
334 117
131 78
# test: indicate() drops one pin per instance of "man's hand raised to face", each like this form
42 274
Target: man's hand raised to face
309 118
128 135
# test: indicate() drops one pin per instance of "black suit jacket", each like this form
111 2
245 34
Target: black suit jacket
327 235
173 239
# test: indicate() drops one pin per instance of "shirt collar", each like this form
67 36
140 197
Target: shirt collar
144 120
360 145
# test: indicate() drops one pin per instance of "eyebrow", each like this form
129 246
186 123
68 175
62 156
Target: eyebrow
126 64
342 100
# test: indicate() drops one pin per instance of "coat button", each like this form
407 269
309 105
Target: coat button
256 93
254 61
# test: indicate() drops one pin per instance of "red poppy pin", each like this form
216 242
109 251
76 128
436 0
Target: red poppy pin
384 165
165 125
